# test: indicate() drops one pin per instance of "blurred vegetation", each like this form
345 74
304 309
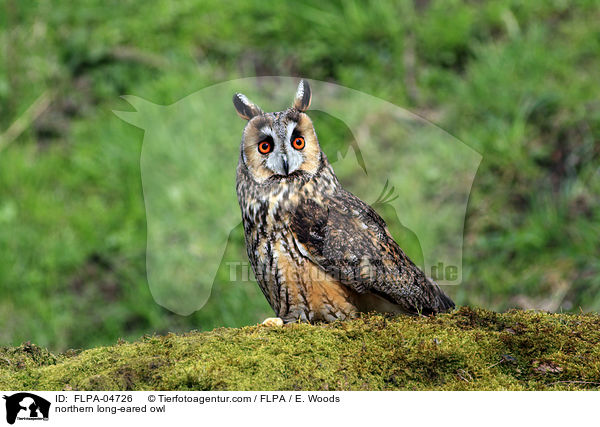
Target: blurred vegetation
517 81
469 349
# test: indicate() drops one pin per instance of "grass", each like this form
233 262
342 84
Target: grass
515 81
469 349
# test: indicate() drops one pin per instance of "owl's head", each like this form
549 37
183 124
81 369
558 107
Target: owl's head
281 145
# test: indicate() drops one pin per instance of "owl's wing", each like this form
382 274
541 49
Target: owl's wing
351 242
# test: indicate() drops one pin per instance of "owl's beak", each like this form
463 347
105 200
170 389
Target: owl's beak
285 164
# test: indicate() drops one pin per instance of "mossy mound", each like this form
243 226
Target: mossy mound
469 349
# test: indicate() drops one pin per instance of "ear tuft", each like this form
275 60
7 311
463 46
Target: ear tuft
245 108
303 96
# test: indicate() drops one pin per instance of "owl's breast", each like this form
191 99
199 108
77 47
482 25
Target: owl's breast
297 288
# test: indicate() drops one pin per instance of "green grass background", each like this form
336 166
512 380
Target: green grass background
517 81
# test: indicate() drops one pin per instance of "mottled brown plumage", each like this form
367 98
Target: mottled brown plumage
318 252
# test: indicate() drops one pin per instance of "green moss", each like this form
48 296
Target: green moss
469 349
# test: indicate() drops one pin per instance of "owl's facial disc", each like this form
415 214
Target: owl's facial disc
285 159
280 145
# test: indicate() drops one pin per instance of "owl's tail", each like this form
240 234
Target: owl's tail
440 302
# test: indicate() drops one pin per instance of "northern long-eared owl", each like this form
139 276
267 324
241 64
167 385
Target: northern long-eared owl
318 252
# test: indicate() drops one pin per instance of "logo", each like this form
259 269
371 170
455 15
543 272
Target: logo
26 406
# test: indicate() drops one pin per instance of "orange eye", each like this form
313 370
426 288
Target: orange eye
264 147
298 143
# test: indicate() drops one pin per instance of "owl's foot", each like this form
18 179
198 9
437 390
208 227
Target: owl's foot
273 321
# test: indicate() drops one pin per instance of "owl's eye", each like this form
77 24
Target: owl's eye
265 147
298 143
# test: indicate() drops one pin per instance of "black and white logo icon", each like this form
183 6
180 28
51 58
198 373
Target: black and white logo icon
26 406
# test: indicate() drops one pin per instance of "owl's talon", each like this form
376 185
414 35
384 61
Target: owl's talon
273 321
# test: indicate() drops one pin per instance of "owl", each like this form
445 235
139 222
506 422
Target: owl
318 252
